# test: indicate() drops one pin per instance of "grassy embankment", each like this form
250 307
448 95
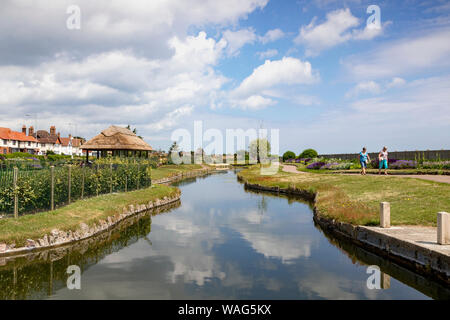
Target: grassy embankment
89 211
172 170
356 199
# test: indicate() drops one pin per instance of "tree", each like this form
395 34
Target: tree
288 155
260 147
173 148
308 153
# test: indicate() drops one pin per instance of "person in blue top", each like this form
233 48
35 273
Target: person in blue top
363 160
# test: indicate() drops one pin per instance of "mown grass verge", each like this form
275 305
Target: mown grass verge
356 199
67 218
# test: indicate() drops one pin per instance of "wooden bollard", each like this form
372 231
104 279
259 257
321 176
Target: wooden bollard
385 215
443 228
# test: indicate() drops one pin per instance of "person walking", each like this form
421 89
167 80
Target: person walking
383 160
363 160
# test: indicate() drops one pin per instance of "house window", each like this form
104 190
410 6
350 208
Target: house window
5 142
14 142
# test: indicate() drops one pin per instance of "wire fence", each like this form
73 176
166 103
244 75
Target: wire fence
28 190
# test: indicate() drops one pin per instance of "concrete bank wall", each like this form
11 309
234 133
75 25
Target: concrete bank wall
424 261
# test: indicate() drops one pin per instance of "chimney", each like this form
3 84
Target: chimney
70 136
24 129
30 131
52 130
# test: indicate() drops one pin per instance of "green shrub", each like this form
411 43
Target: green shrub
288 155
308 153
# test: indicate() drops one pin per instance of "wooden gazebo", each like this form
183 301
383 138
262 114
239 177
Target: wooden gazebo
119 141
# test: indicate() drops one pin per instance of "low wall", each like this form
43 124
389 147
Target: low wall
421 260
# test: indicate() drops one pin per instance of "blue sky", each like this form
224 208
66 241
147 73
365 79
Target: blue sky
309 68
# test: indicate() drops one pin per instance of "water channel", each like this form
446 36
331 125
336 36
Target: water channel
220 242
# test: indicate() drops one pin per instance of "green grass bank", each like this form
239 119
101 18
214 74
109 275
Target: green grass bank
356 199
88 211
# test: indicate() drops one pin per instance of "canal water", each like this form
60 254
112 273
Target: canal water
220 242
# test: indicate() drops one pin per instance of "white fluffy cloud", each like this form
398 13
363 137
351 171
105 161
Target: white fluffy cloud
237 39
254 102
115 87
337 28
272 35
257 90
287 71
108 25
410 55
364 87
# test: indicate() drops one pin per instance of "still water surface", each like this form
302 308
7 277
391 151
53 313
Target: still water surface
221 242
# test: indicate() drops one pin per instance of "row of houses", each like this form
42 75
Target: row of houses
39 142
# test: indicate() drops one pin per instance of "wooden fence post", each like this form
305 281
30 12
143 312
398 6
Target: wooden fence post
70 181
16 196
110 178
52 188
98 178
82 181
139 176
126 183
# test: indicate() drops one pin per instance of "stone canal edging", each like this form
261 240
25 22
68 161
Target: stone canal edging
410 255
58 238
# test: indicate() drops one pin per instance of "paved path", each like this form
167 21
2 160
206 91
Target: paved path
290 169
425 237
430 177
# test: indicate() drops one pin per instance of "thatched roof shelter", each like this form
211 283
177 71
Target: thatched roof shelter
117 140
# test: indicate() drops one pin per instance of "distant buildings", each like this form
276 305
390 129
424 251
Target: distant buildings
15 141
39 142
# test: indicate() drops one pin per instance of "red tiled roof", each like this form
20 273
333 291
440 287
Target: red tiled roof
65 141
8 134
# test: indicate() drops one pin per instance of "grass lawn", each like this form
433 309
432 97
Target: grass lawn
69 217
356 199
172 170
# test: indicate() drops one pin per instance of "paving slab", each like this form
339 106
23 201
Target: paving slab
425 237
